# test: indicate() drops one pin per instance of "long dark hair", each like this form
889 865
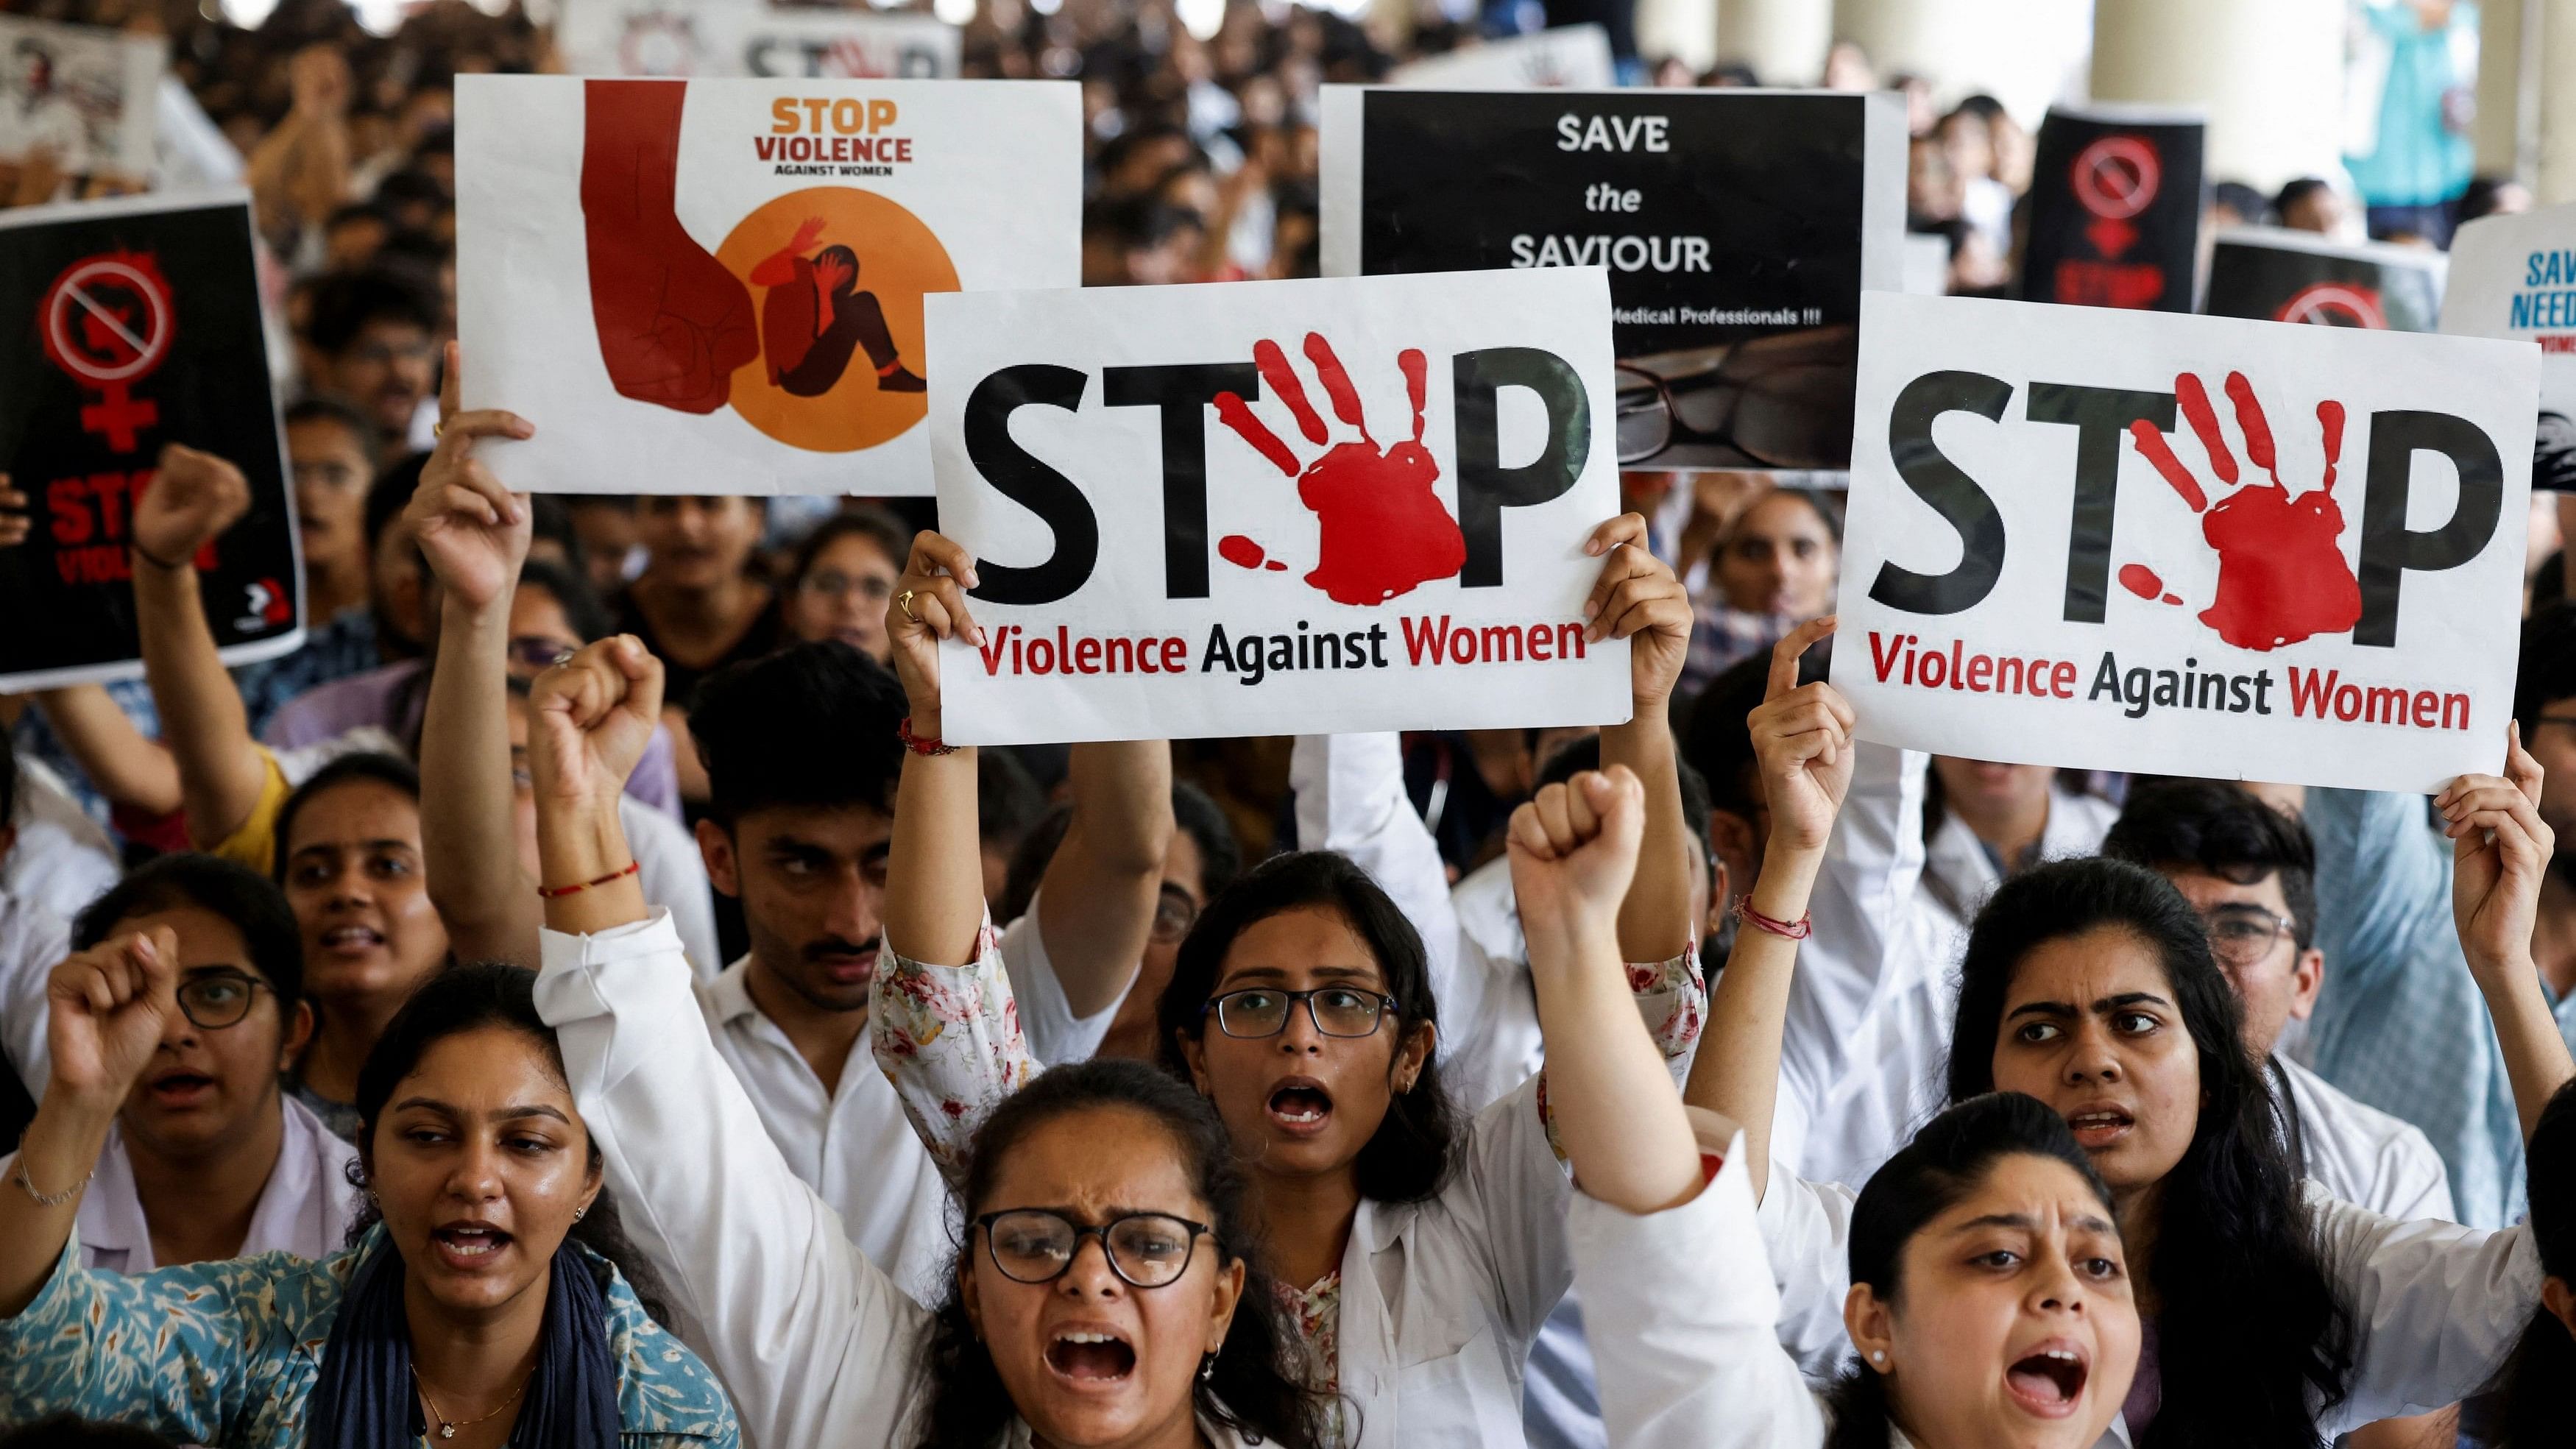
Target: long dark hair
2252 1336
1408 1158
471 998
1953 1154
1255 1389
2533 1407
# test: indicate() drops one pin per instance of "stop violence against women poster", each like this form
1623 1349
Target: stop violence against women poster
2515 276
717 286
141 328
1278 507
1739 228
2185 545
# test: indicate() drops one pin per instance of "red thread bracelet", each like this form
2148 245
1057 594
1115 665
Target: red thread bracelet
555 892
1797 930
918 745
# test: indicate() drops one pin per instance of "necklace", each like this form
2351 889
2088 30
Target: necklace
447 1428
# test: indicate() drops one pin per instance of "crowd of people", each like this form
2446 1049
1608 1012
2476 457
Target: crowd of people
579 998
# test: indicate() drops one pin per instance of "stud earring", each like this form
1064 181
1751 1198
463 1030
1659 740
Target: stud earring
1878 1356
577 1212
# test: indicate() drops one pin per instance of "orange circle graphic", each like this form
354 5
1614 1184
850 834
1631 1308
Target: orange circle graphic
840 345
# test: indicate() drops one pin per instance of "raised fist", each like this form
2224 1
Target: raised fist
108 1007
590 718
1573 851
192 499
673 323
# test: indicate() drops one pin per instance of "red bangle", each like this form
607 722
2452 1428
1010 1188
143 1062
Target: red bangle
917 744
552 892
1797 930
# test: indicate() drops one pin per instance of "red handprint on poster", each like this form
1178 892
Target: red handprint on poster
1385 531
2282 576
673 321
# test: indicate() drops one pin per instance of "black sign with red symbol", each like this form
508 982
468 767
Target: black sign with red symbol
140 327
2114 212
2274 275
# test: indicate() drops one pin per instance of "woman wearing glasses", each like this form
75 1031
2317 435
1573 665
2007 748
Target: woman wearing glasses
2273 1314
1420 1252
1105 1291
209 1158
842 576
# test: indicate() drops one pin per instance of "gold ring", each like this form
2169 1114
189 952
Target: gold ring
438 429
903 601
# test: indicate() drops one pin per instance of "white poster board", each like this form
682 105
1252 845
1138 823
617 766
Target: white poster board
1574 56
84 93
2066 544
709 38
717 286
1278 507
2515 276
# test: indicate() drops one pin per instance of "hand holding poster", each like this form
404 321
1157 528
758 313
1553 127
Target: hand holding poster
143 330
2184 545
83 94
2274 274
743 264
1384 529
1739 228
2115 209
2515 276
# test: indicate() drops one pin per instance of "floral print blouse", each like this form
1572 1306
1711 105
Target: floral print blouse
948 1038
226 1354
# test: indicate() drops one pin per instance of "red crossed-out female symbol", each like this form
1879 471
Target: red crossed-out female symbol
108 322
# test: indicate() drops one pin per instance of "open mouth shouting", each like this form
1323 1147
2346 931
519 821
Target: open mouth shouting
179 1088
468 1246
1091 1354
1299 1106
2049 1380
2101 1126
352 940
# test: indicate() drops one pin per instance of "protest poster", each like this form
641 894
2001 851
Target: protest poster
2115 209
1576 57
2274 274
2515 276
1739 228
2185 545
144 329
1277 507
84 94
743 264
714 38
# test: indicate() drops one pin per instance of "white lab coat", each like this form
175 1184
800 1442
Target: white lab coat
2358 1153
2437 1308
62 859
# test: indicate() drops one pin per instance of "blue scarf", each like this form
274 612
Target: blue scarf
364 1397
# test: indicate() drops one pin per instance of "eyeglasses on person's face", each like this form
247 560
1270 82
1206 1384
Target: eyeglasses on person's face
213 1000
834 584
1037 1245
1174 914
2242 935
1262 1011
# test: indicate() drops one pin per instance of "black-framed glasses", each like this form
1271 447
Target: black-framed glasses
1174 914
214 1000
2243 935
1783 400
1261 1011
1037 1245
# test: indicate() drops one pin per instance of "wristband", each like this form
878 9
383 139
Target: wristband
919 746
555 892
49 1199
1797 930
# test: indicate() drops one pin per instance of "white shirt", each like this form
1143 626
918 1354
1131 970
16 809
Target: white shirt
33 941
1491 1040
1958 870
63 860
2358 1153
2437 1308
305 1209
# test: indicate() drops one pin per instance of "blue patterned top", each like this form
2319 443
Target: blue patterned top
225 1354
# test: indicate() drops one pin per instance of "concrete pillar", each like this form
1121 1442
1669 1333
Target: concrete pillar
1684 30
2508 125
1783 40
2557 89
2270 76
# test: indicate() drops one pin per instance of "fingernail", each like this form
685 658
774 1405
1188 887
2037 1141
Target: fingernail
1591 607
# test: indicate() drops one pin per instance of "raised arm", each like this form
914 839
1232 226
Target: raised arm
1638 599
1573 853
121 764
1349 796
934 867
1802 737
1096 907
193 498
2500 852
474 533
